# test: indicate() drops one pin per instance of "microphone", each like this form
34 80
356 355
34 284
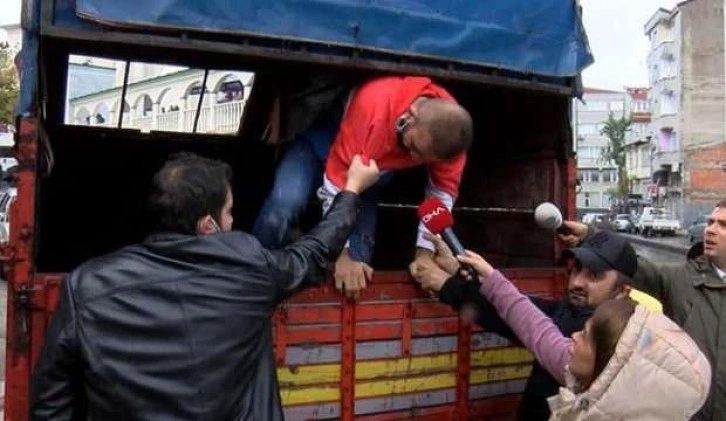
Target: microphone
437 218
548 216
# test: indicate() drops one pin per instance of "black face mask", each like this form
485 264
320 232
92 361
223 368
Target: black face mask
216 225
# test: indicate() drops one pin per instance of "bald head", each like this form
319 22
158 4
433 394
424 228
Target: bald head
449 124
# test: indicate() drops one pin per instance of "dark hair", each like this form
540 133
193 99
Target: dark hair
185 189
721 204
450 127
606 326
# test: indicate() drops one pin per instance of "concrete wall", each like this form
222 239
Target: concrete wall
702 63
703 106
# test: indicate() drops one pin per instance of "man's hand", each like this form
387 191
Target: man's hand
578 231
429 275
422 255
360 175
351 277
443 256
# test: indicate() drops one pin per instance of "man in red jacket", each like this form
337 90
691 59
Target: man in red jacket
400 122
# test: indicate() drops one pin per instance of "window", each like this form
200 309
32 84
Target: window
157 97
668 103
587 200
654 75
596 106
606 176
609 176
669 68
589 175
607 200
617 106
587 129
589 152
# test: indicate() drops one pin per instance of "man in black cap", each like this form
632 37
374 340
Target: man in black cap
599 269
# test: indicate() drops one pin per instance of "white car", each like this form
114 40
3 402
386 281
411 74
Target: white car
657 221
589 218
623 223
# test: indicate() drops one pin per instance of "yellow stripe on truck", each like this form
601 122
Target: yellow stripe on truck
315 394
366 370
299 384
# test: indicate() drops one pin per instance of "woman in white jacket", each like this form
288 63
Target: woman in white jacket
627 364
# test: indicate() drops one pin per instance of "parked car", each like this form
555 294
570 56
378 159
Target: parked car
589 218
604 222
7 197
657 221
624 223
695 231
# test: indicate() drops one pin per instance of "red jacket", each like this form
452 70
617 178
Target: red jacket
368 127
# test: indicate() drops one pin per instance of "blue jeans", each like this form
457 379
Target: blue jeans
299 174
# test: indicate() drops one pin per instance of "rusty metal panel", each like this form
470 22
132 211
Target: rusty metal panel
348 369
380 381
463 369
19 275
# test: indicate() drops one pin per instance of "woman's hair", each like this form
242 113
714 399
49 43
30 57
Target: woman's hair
606 326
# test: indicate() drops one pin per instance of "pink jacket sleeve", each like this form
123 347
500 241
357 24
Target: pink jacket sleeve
533 328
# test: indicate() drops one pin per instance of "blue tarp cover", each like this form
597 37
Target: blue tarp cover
543 37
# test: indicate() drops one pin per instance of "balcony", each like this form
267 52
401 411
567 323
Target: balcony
218 118
667 159
666 50
641 116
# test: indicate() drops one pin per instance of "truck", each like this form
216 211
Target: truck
656 221
396 353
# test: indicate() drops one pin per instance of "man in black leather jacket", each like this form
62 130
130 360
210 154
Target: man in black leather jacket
179 326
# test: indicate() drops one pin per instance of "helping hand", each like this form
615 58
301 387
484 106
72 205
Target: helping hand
361 176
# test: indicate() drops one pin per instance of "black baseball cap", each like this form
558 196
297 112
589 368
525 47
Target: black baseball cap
606 250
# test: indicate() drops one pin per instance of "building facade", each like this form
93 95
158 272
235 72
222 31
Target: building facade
164 98
597 177
639 149
703 106
12 35
686 69
664 34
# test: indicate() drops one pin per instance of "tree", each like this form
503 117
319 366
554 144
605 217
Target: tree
9 85
615 130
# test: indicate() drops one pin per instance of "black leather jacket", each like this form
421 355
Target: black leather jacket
178 327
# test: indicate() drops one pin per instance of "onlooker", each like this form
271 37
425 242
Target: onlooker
693 295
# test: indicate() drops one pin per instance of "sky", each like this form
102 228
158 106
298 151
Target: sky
614 28
617 41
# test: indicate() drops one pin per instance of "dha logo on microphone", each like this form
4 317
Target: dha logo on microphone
434 213
435 216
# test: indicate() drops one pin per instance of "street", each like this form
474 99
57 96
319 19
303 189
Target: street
658 256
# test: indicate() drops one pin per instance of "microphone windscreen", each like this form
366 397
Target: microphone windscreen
435 216
548 216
